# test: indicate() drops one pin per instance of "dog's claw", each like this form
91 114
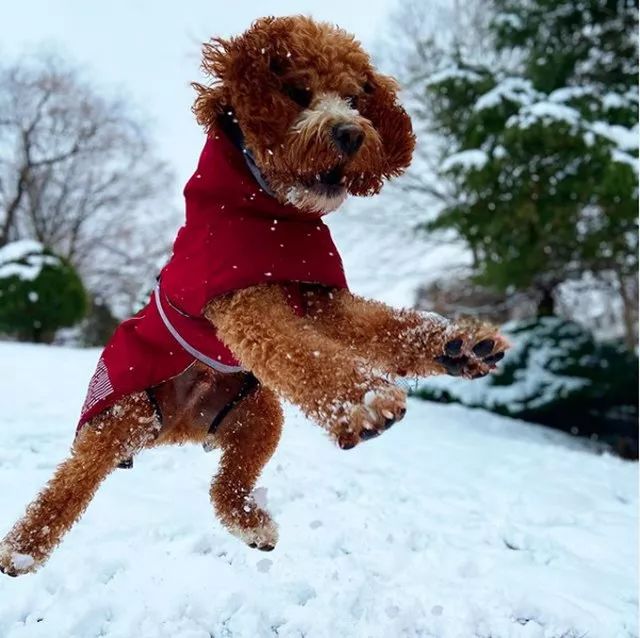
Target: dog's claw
8 572
346 445
266 548
365 435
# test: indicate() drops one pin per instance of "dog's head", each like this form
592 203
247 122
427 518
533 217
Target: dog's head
319 120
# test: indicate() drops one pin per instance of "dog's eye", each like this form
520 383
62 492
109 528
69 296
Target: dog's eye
301 96
352 101
277 66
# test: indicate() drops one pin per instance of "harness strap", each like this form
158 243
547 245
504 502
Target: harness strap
250 384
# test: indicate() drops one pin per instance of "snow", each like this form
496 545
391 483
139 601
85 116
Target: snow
511 19
626 139
545 111
513 89
625 158
452 73
17 250
568 93
23 259
454 524
613 100
21 561
469 159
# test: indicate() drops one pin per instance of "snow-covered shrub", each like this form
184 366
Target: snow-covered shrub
556 374
39 292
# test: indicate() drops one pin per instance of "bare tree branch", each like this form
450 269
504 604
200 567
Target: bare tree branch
77 172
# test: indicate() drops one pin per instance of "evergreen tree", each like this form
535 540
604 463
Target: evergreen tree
543 155
39 292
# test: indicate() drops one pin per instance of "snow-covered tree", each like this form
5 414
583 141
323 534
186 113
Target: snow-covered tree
536 127
543 156
40 292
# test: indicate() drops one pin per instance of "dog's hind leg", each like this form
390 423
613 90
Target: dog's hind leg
247 437
103 443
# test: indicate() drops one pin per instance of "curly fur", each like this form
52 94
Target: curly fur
251 75
288 82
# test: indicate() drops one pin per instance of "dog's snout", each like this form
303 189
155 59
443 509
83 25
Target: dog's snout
348 138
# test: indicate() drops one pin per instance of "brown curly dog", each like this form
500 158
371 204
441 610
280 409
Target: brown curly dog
297 118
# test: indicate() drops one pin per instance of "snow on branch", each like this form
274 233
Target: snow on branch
470 159
512 89
452 73
24 259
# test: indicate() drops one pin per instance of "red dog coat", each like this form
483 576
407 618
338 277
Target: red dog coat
235 236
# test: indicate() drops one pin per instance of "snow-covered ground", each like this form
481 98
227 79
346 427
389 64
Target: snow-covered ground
455 523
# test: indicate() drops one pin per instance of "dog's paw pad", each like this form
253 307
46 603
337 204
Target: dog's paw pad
473 352
380 409
453 365
483 348
453 347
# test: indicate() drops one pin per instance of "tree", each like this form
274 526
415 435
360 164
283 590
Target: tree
79 175
534 113
420 40
545 162
39 292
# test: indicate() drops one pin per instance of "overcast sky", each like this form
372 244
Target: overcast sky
149 49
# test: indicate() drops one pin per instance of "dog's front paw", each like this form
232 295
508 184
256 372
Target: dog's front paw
379 410
15 563
472 350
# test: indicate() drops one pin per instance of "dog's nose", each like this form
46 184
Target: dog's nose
347 137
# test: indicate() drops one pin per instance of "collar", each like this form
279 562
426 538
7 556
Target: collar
229 124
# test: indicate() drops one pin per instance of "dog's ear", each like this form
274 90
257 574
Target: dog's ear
212 99
245 71
381 107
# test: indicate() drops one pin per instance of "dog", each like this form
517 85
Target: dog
253 305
